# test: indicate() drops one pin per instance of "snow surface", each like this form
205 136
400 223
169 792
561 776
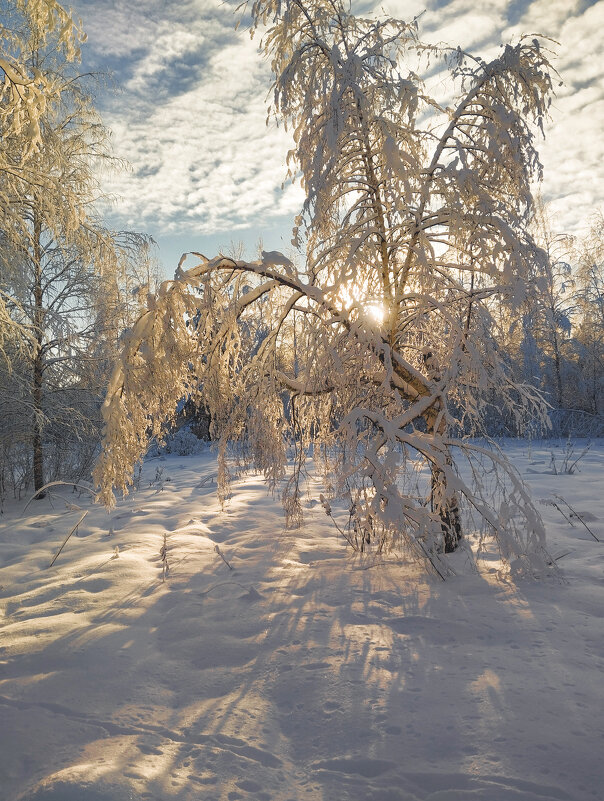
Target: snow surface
299 672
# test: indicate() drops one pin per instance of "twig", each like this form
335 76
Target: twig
571 468
561 556
57 484
578 516
562 513
548 502
163 552
221 555
67 537
207 481
429 558
335 522
347 536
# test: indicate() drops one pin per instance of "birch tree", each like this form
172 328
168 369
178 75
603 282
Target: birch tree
589 325
57 261
415 220
24 94
538 339
555 304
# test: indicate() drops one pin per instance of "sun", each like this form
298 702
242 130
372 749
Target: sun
376 312
353 296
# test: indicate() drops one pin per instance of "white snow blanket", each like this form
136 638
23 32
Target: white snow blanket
272 665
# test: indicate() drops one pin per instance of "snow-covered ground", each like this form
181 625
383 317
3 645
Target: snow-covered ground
300 673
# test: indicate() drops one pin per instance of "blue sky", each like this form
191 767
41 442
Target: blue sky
189 99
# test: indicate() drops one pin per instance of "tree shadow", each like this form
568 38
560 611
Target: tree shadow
299 673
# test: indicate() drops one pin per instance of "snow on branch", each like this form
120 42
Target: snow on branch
380 354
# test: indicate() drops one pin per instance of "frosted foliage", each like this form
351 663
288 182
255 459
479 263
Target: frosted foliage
414 209
52 140
183 443
26 91
590 307
26 88
61 271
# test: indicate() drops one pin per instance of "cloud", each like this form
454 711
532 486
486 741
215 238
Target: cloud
191 114
191 119
203 156
573 152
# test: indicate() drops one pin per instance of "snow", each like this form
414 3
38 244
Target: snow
298 672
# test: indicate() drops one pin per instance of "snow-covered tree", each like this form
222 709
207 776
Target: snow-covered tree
415 220
57 261
82 312
537 337
589 324
25 91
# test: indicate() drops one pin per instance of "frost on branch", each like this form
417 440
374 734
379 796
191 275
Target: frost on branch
25 93
373 414
417 211
25 88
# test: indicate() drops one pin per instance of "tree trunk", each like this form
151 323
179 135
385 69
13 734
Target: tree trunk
447 507
442 501
38 455
38 363
557 366
450 521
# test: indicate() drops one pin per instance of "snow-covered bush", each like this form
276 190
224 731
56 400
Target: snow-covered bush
183 442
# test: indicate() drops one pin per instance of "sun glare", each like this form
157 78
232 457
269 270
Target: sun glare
353 295
376 312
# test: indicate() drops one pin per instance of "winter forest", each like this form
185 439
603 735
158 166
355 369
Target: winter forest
323 521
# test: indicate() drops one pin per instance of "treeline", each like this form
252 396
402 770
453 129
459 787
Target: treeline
557 341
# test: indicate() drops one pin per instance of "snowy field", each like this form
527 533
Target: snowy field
298 672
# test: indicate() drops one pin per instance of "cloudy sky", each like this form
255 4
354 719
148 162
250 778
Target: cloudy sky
188 109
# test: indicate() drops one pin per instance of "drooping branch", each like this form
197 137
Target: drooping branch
393 214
